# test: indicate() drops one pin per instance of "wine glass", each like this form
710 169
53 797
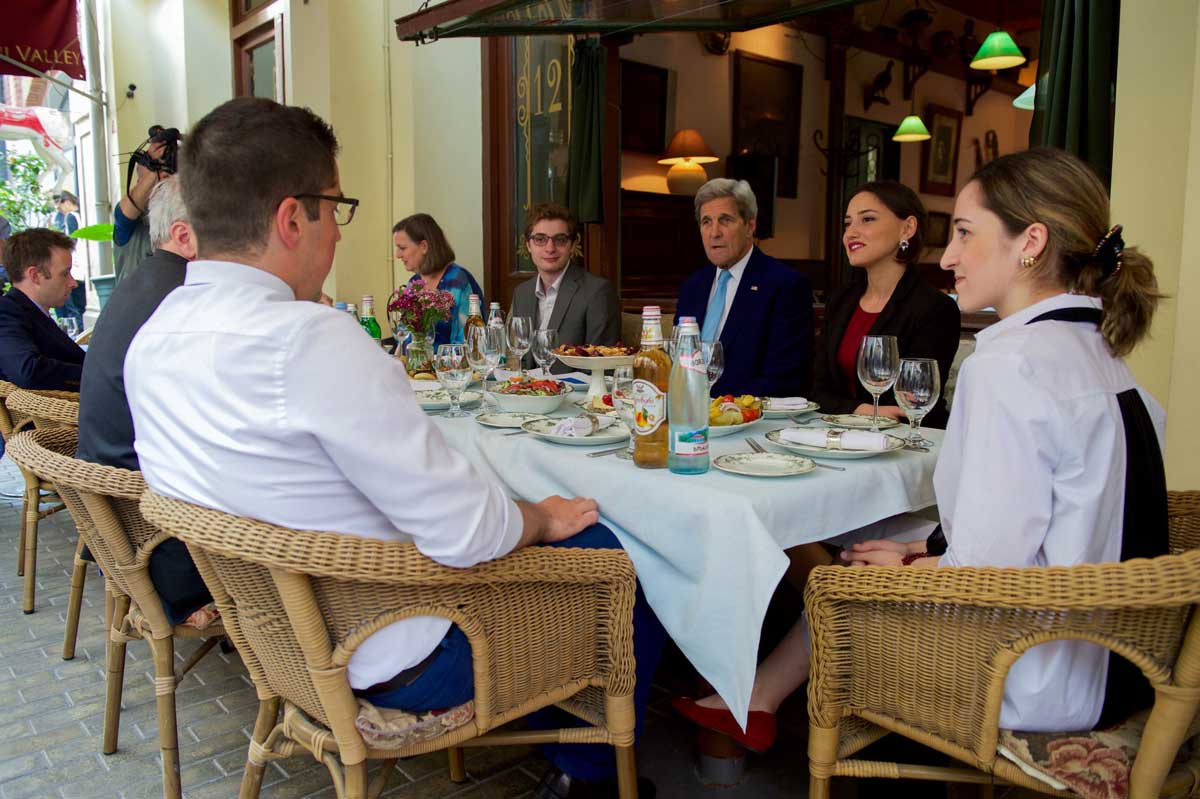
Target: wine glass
878 365
622 396
454 372
918 387
71 326
520 338
485 345
544 342
714 357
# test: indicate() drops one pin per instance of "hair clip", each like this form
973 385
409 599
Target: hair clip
1109 250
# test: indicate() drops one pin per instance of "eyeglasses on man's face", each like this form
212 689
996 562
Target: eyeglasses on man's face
343 209
541 240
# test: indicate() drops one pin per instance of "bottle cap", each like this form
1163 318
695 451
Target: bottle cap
341 306
474 297
688 327
651 311
368 298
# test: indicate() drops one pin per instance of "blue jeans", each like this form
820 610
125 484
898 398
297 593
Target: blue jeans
449 679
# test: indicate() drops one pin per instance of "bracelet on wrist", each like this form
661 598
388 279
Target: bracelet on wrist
135 205
908 560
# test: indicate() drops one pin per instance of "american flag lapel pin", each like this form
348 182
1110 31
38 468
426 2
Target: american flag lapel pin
754 288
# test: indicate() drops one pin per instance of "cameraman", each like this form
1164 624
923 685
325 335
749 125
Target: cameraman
131 234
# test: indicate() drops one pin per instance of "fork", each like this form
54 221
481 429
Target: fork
757 447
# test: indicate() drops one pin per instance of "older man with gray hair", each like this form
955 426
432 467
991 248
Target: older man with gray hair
757 307
105 424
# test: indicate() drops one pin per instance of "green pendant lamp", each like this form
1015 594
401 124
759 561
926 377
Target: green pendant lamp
998 51
911 129
1025 100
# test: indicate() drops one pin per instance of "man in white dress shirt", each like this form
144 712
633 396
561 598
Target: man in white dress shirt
229 387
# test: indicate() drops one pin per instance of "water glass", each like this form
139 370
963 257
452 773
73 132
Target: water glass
520 338
485 346
878 365
544 343
454 373
622 397
714 358
918 387
71 326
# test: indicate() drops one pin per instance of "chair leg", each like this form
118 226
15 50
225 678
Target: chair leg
458 764
822 755
21 535
268 713
627 785
74 603
380 782
356 781
116 676
168 733
30 554
109 600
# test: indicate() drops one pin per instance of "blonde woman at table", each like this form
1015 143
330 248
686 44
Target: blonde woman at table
1052 453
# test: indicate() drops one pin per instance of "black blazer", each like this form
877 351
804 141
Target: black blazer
34 352
924 321
586 311
767 336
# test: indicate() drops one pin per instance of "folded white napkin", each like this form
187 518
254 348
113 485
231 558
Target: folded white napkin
786 403
851 439
581 426
424 385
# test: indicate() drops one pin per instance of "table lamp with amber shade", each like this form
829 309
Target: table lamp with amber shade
685 154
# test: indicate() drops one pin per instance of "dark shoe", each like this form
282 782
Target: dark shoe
557 785
760 725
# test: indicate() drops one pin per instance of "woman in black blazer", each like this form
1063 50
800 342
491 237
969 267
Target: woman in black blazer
884 236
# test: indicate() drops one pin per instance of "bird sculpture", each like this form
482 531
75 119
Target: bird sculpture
877 91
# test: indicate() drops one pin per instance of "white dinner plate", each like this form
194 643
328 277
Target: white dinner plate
544 428
722 430
439 400
764 464
768 413
855 421
894 444
505 418
584 406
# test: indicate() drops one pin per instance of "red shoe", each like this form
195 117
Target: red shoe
760 725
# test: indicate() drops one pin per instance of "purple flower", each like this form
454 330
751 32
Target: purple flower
420 309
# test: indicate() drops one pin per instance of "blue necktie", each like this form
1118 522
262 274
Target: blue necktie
716 307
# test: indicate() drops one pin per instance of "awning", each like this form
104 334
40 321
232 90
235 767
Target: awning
41 34
464 18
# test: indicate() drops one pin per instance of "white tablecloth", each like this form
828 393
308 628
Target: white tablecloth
708 548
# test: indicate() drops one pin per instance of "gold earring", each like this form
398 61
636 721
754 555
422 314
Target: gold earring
1028 261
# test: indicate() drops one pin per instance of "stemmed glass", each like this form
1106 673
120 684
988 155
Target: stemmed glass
520 338
878 365
454 373
918 387
71 326
622 396
714 357
544 342
485 345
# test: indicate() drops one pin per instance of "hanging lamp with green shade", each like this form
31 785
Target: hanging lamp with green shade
1026 100
911 129
998 51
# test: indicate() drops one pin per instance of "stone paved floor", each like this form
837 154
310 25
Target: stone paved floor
51 715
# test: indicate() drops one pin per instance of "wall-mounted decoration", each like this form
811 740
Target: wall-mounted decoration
766 113
937 229
646 107
876 92
715 42
939 155
991 146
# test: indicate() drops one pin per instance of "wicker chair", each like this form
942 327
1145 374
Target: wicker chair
104 503
546 626
925 652
43 409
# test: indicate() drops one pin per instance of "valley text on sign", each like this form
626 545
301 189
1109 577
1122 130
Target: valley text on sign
42 34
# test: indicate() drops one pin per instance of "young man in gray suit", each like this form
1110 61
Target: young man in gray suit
582 307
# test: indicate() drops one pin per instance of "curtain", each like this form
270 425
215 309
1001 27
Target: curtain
584 190
1077 74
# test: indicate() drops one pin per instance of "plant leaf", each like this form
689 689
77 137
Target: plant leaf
101 232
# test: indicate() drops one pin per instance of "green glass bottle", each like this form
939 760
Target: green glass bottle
368 321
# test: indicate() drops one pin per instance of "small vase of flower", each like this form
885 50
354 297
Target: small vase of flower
416 310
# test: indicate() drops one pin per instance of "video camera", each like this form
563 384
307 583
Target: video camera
170 138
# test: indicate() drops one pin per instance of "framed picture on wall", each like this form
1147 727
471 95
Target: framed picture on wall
766 113
646 102
939 155
937 229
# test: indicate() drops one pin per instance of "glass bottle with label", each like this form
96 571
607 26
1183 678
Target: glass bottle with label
474 314
352 309
368 321
687 405
651 381
496 319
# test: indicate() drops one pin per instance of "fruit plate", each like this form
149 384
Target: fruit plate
894 443
596 366
544 428
855 421
763 464
771 413
722 430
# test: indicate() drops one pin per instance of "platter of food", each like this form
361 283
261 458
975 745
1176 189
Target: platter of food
728 414
517 395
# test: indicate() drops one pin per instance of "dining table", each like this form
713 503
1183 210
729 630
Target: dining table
708 548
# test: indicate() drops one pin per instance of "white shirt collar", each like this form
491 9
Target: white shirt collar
1021 317
736 270
217 272
539 291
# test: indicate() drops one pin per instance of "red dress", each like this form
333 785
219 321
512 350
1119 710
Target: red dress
847 355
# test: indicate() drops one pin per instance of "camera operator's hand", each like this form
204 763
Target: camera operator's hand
134 203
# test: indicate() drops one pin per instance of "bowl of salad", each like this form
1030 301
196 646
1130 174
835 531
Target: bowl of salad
528 395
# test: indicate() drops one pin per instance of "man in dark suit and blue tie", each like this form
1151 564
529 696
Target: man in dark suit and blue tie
758 308
34 352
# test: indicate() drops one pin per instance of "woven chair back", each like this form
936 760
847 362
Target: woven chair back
43 408
103 501
1183 516
6 422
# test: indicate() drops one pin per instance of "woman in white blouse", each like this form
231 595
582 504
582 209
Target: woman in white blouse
1050 446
